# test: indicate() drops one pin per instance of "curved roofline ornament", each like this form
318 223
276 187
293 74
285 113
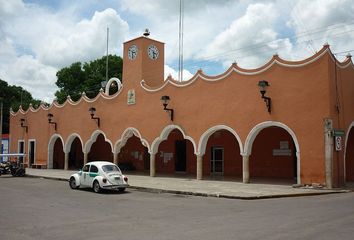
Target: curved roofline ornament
83 97
235 68
198 75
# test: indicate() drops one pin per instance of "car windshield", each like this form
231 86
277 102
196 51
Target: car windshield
110 168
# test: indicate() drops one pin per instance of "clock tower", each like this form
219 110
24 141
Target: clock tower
143 59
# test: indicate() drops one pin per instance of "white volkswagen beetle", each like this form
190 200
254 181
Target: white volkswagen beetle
99 175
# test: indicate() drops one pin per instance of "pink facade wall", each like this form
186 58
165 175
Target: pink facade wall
302 96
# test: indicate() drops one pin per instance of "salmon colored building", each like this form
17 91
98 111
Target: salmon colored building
285 120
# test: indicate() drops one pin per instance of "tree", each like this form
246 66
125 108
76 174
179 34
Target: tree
87 77
13 97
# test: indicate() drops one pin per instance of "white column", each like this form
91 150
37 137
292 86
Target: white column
245 169
66 161
298 170
199 167
85 158
328 128
152 165
115 158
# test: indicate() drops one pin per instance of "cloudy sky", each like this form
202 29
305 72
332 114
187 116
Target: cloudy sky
38 37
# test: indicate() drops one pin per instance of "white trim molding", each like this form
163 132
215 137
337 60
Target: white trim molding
205 137
70 140
92 140
164 135
128 133
108 85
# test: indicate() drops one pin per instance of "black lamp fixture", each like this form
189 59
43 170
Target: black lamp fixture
92 111
50 120
165 100
263 89
22 120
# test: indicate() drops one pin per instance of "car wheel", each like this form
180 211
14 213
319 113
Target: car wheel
96 187
72 183
121 189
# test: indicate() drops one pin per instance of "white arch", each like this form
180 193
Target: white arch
259 127
205 136
110 81
164 135
70 140
128 133
93 139
351 126
51 143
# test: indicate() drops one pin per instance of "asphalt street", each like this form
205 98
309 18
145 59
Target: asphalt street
34 208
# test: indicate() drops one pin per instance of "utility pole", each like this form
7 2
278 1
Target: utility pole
180 41
107 57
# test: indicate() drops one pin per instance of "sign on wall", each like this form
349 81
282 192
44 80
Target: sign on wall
283 149
131 97
167 157
338 143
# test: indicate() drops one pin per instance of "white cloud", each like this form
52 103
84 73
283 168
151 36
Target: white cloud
203 19
36 42
249 39
318 22
170 71
32 75
86 40
7 52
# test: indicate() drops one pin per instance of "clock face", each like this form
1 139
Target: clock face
153 52
132 52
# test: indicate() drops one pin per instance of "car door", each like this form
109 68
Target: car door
84 175
92 174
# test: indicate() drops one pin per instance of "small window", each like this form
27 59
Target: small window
94 169
110 168
86 168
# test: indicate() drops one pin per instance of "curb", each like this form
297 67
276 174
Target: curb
216 195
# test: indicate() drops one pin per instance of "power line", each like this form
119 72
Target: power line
265 44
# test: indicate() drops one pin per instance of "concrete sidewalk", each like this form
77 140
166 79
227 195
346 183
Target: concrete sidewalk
226 189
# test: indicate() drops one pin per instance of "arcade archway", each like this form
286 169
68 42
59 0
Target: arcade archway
222 155
175 154
134 156
56 156
100 150
273 156
349 156
76 156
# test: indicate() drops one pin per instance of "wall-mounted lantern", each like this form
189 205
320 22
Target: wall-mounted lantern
22 120
92 111
165 100
263 89
50 120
